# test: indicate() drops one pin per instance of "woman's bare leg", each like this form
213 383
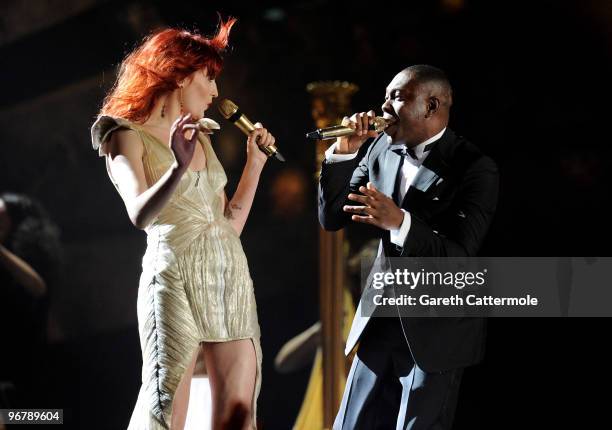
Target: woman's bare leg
232 368
181 396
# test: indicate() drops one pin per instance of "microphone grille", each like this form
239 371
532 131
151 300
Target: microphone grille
227 108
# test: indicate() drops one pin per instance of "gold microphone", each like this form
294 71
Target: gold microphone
379 124
232 113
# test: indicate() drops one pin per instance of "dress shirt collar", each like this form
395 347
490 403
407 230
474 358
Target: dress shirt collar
418 150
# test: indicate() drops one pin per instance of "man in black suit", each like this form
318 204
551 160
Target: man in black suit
432 194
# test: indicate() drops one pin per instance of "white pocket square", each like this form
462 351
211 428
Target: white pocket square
424 178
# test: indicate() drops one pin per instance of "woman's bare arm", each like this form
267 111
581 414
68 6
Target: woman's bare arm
144 203
238 208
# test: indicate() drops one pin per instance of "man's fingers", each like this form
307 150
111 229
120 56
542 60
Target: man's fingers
348 122
371 192
358 124
371 115
366 200
362 210
365 122
364 219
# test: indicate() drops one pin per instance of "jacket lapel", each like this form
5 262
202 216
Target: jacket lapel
392 162
435 168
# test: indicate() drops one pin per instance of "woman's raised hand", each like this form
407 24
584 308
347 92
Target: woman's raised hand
182 146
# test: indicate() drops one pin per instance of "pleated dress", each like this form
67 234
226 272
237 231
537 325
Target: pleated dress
195 284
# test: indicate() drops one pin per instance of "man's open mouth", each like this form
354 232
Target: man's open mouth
391 123
391 119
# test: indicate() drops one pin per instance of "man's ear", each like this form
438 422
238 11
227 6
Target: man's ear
433 104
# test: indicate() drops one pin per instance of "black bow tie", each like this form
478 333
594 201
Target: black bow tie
403 150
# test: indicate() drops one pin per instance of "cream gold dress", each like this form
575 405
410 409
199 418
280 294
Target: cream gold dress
195 284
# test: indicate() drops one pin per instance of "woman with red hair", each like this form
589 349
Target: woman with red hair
195 296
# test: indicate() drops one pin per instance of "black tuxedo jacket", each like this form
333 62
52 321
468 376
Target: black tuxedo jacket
451 201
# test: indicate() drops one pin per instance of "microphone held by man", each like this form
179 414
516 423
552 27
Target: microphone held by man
376 123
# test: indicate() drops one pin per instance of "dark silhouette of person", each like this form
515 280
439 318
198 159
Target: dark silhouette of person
30 261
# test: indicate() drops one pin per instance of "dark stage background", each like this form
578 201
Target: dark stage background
531 90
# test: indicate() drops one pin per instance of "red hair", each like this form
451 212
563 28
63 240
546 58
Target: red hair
161 61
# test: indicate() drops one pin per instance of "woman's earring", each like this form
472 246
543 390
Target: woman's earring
181 100
163 110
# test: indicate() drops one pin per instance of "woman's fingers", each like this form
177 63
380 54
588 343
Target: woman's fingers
179 123
193 136
175 124
267 140
189 131
183 120
262 137
271 140
255 136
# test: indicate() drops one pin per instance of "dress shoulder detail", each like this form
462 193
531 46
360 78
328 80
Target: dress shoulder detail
102 129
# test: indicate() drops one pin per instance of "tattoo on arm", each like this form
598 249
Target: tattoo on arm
229 214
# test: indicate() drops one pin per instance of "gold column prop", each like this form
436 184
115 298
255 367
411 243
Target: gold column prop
330 103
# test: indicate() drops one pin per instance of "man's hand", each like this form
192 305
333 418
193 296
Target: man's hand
360 123
378 209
